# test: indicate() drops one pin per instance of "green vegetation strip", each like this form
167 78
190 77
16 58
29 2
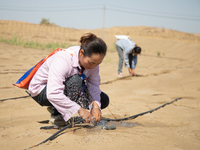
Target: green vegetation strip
35 45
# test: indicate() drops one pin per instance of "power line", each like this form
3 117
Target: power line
154 12
84 7
50 10
50 7
95 7
154 15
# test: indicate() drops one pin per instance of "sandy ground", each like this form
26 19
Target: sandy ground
174 74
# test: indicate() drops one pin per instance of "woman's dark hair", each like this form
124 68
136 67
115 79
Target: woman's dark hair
137 49
91 44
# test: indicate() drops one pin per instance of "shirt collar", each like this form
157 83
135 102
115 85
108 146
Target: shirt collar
75 57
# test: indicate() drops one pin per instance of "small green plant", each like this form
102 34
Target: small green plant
158 53
113 48
108 60
13 41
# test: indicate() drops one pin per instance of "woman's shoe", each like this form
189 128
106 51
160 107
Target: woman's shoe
120 75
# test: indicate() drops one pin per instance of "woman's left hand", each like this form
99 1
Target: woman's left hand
96 113
132 72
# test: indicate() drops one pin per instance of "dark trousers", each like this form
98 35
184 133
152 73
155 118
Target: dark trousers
130 57
73 86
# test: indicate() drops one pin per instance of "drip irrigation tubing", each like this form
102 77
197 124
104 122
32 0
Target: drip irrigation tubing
140 114
29 93
14 98
55 134
108 82
121 78
105 119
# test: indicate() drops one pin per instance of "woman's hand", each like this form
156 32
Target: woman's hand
129 70
96 112
85 115
132 72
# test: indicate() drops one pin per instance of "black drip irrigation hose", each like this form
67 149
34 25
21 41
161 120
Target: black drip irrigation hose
54 135
135 116
105 119
14 98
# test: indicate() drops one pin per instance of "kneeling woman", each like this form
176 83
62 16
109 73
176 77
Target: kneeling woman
69 80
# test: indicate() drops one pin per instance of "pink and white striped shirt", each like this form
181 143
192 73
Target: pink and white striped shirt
53 72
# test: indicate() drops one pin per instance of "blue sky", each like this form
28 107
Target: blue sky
180 15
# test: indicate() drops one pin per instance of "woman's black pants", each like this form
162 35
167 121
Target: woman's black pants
73 87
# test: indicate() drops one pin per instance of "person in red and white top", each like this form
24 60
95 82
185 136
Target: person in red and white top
59 82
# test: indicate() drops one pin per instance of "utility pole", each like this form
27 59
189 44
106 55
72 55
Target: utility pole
104 9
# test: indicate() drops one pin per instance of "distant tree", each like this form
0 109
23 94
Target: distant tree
46 22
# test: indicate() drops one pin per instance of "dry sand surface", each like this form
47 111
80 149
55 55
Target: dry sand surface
174 74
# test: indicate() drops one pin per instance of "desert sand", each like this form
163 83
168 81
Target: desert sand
172 74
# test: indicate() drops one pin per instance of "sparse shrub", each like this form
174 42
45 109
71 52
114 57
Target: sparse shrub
46 22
